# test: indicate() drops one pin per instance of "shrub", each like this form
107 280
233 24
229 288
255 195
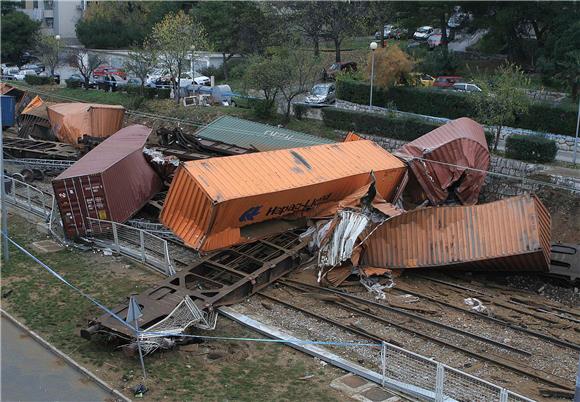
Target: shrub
299 110
134 102
389 125
262 108
559 119
36 80
163 93
72 83
489 138
133 89
150 92
533 148
440 62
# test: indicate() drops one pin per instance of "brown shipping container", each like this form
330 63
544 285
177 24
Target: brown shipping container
71 121
459 145
111 182
509 235
210 200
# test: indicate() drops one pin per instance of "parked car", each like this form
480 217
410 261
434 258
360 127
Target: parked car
38 68
464 87
434 41
103 70
458 19
110 82
322 94
423 33
386 32
79 78
23 73
190 78
447 81
56 77
340 66
399 33
11 71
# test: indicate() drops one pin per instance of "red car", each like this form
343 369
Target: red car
103 70
447 81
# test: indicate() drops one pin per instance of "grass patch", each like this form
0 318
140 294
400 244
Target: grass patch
246 372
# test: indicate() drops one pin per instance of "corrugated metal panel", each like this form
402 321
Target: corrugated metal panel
71 121
8 110
460 142
511 234
249 134
113 181
252 188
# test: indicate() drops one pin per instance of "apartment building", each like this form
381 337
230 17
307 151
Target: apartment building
58 17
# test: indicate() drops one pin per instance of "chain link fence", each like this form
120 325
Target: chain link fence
133 242
27 197
427 379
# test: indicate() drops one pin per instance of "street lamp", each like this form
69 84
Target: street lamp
373 46
57 37
192 60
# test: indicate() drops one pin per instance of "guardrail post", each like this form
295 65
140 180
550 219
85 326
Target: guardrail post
503 395
142 245
116 237
28 197
439 381
384 362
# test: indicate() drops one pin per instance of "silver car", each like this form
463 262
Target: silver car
322 94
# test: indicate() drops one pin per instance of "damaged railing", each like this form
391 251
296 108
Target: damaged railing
425 378
28 197
133 242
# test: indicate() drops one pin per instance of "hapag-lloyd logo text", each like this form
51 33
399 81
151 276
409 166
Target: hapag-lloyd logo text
251 213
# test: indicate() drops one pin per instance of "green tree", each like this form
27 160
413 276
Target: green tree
264 74
85 63
560 57
141 62
48 49
174 38
18 33
502 98
234 27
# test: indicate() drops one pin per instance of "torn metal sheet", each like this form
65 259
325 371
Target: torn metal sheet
447 153
219 279
509 235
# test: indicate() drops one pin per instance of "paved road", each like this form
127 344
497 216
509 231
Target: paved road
32 373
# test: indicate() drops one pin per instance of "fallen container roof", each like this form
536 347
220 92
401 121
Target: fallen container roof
71 121
511 235
210 200
111 182
249 134
458 145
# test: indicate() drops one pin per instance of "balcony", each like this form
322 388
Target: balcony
48 14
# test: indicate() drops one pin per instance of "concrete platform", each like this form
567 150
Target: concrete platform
46 246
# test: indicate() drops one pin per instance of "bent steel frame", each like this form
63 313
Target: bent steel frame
222 278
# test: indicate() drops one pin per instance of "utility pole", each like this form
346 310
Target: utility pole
373 46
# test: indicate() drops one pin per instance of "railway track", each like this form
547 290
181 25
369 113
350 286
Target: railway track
376 312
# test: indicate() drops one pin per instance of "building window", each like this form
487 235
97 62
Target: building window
35 4
48 5
49 22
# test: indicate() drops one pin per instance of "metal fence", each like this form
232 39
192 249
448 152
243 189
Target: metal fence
28 197
430 380
133 242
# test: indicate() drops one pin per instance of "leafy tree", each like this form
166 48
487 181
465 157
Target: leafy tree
173 38
391 65
141 62
560 58
234 27
85 63
18 33
413 14
307 17
299 72
342 19
48 49
264 74
502 98
9 6
439 62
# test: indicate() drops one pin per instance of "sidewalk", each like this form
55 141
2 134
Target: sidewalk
32 373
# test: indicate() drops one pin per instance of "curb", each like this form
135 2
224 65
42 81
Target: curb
66 358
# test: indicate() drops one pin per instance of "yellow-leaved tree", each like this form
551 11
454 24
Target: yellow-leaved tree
391 65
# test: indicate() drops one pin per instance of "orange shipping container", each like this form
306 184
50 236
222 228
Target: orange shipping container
509 235
212 202
71 121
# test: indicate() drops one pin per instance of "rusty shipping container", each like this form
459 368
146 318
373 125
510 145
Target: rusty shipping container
509 235
111 182
454 148
210 201
71 121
